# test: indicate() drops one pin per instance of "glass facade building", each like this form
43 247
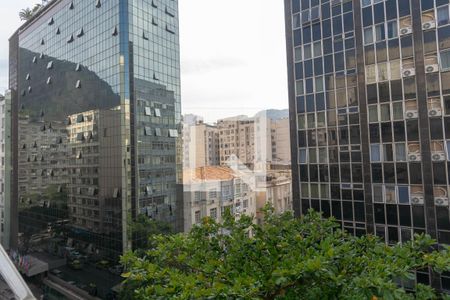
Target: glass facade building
96 113
369 89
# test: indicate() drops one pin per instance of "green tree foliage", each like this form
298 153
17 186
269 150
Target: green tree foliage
144 228
27 13
285 258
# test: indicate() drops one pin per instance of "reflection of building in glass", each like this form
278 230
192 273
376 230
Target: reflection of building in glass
112 69
43 154
237 137
257 141
5 157
94 163
211 190
276 190
4 142
369 87
201 145
157 147
189 120
280 142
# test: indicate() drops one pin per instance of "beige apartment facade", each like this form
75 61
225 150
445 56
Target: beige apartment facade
237 137
201 144
94 162
275 190
212 190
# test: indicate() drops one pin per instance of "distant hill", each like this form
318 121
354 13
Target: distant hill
274 114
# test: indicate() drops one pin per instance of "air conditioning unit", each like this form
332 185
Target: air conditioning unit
435 112
438 156
408 72
417 200
431 68
428 25
441 201
405 30
411 114
414 156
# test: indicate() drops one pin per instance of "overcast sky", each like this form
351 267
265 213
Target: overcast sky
233 57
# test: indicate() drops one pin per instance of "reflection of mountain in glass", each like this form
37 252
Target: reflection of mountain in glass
60 88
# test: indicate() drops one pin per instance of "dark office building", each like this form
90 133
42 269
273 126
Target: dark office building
96 113
369 90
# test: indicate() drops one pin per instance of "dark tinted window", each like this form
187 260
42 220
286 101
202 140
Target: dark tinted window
399 131
407 46
418 216
402 173
386 132
444 37
325 10
391 9
377 173
336 209
439 173
326 209
367 16
394 50
389 173
391 214
374 133
326 28
403 8
313 173
337 25
359 211
405 215
415 173
443 218
383 90
429 41
379 213
306 35
297 37
303 173
396 90
412 128
436 129
372 96
347 209
378 10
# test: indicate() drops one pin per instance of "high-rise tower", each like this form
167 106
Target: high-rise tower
96 114
369 91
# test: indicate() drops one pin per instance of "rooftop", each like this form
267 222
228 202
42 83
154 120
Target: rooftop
211 173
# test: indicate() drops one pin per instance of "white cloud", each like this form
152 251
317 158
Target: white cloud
232 54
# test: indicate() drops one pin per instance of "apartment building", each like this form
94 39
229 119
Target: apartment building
369 87
201 145
237 137
96 117
212 190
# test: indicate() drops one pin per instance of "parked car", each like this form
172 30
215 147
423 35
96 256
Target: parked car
102 264
76 264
